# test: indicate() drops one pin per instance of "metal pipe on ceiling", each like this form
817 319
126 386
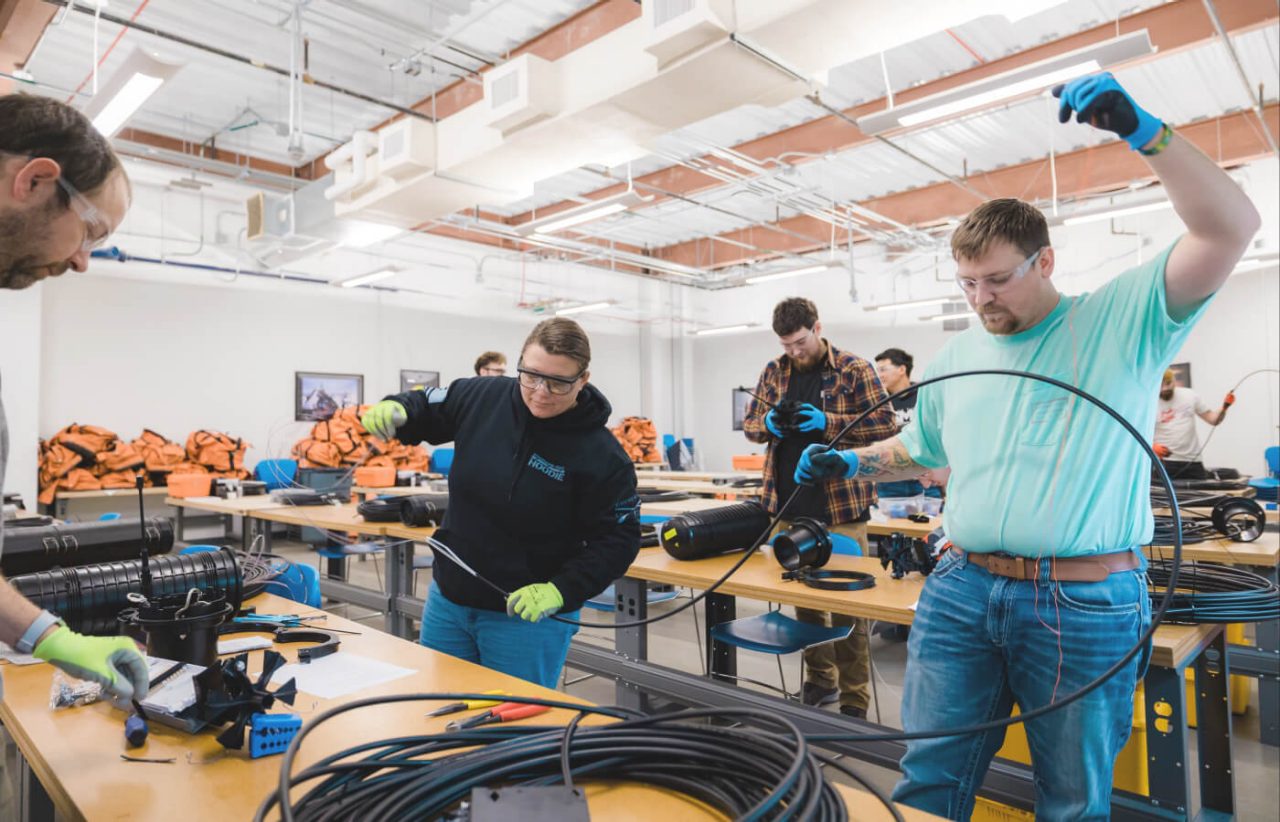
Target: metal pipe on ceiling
1254 102
239 58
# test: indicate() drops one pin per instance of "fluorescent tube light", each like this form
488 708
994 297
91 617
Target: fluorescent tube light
1007 85
905 304
724 329
362 233
794 272
583 217
139 77
984 98
371 277
1111 213
966 315
584 213
1254 262
580 309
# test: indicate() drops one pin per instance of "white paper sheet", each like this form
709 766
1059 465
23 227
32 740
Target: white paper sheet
339 674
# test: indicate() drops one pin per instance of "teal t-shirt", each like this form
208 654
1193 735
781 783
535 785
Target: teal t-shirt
1036 470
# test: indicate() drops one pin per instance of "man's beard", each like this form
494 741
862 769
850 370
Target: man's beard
1166 395
19 234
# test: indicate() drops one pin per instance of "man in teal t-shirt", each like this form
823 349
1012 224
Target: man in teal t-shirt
1043 587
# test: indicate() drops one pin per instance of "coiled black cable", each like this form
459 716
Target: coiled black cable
1217 593
745 772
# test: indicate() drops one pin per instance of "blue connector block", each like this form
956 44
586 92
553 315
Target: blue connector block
271 734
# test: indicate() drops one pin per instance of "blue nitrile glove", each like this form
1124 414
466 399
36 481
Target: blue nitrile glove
810 418
113 662
1103 103
384 418
533 602
771 422
822 462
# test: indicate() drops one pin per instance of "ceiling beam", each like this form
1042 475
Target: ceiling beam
1173 27
1230 140
206 151
22 23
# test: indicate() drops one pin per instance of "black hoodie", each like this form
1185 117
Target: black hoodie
530 500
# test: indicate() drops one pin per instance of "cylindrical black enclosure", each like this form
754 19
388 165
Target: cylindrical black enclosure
174 630
65 545
90 597
702 534
806 544
423 509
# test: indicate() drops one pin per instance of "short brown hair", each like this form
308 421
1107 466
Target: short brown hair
1007 219
562 336
34 126
488 358
793 314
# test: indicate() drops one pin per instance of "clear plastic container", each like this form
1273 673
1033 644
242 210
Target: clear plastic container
930 505
898 507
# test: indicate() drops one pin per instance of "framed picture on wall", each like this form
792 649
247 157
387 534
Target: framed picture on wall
1181 374
317 396
417 380
741 398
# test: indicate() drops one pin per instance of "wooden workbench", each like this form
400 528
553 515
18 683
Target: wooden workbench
74 753
703 487
59 506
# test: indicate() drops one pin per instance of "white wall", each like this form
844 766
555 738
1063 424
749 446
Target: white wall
20 387
1239 333
127 353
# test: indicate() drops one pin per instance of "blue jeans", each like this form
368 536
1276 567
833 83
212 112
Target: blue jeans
981 643
534 651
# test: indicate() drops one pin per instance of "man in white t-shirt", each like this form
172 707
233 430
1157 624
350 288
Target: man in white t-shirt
1175 440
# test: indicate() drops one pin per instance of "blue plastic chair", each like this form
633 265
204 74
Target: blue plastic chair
442 460
276 473
300 583
1268 487
606 600
110 516
777 634
841 544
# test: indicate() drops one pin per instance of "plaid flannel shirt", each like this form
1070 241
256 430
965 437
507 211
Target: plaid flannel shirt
849 387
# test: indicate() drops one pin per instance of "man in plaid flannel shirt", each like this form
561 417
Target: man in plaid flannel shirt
833 387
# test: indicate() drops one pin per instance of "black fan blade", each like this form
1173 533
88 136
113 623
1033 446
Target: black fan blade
272 661
287 692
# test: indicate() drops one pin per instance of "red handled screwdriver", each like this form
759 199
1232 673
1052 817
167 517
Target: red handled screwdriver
506 712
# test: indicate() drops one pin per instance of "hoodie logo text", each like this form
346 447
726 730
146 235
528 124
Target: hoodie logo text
556 472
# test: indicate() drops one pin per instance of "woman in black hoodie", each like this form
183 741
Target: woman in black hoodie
542 503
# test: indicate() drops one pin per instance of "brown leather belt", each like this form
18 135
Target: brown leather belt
1092 568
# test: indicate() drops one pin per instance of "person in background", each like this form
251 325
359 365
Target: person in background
893 366
1175 441
62 193
542 503
1042 588
491 364
831 386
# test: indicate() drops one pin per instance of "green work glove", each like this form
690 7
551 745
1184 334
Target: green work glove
113 662
533 602
384 418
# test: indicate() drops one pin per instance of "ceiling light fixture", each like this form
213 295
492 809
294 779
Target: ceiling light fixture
793 272
1111 212
1010 84
139 77
362 233
966 315
583 308
584 213
723 329
371 277
905 304
1254 262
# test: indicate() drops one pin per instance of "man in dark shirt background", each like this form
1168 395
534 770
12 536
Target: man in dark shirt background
832 387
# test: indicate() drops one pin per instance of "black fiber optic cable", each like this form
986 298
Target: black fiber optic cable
1217 593
1157 615
749 773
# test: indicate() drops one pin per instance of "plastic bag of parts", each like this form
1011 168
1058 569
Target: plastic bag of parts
69 692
